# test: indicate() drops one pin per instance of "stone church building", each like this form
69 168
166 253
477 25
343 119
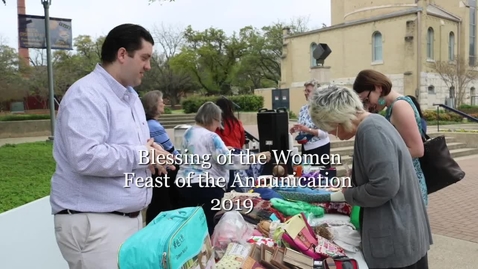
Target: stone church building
401 39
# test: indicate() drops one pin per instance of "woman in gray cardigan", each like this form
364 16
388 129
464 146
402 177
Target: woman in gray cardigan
394 224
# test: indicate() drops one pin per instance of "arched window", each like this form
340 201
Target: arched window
377 52
431 89
430 45
451 46
313 61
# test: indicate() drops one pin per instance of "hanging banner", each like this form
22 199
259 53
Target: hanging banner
31 32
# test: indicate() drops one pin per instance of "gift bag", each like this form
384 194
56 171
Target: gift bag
355 217
231 228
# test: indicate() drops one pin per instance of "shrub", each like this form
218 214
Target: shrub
431 115
21 117
468 109
246 102
167 110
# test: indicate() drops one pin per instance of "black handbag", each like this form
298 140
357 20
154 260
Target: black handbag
439 168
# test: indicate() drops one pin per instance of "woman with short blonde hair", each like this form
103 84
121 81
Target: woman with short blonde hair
394 223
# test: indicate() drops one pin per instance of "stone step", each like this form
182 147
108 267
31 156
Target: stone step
455 153
171 125
176 121
350 143
177 116
345 151
346 147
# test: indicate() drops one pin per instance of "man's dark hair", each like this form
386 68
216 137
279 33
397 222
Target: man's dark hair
128 36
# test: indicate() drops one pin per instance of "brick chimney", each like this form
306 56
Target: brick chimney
24 54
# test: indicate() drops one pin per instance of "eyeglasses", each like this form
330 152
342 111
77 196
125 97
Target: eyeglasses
365 101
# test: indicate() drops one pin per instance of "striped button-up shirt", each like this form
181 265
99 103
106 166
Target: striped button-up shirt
100 136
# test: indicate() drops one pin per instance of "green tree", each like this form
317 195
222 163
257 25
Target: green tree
12 83
211 57
260 65
69 67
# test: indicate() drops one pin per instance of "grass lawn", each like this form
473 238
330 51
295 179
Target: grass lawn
177 111
26 173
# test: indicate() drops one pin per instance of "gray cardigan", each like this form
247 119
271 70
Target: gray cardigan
395 229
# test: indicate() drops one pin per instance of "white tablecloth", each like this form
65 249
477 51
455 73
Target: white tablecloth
358 256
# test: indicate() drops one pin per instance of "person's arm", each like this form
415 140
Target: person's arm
380 166
160 136
85 126
403 118
243 134
317 132
238 161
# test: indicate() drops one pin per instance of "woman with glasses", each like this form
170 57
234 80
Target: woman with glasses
375 91
317 142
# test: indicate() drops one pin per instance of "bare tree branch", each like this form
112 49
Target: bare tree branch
169 38
457 74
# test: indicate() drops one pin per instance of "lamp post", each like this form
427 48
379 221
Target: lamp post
46 8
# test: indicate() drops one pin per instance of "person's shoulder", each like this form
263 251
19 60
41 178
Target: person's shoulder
85 87
372 124
155 125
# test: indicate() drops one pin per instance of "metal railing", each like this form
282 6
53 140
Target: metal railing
451 109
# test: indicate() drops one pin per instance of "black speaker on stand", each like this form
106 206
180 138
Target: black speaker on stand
273 127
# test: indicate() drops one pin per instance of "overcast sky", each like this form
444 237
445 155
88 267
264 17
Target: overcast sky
97 17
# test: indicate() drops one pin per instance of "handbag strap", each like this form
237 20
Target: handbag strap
424 136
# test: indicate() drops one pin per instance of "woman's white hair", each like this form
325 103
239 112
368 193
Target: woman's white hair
331 105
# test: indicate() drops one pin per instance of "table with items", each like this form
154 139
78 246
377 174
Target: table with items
287 227
269 225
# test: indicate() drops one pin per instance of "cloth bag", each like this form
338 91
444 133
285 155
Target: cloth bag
174 239
439 168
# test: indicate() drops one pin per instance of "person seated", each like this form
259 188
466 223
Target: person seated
201 142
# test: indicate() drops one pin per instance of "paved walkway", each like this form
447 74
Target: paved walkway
452 212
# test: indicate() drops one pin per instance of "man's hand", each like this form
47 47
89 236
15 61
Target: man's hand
159 158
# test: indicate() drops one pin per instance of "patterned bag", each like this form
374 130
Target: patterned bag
327 248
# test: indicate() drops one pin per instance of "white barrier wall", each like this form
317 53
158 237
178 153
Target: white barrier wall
27 238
